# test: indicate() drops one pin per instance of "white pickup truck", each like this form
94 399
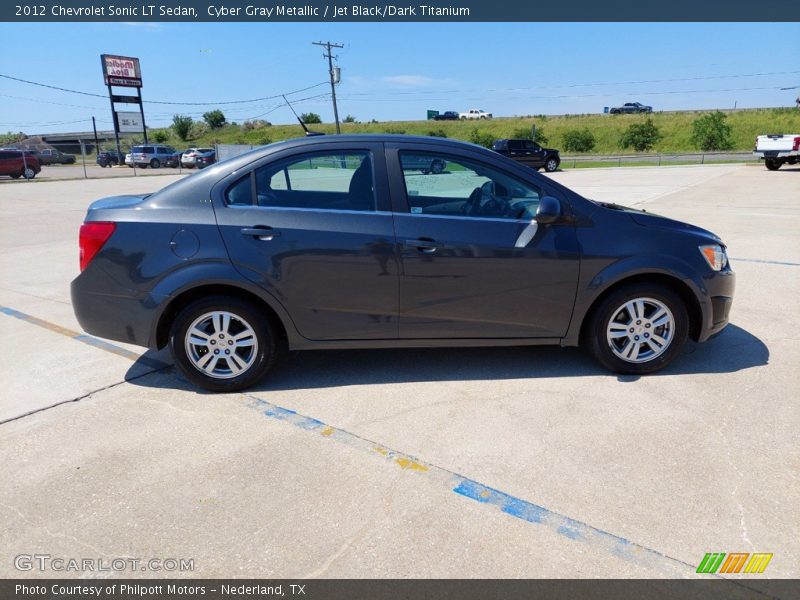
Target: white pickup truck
778 149
474 113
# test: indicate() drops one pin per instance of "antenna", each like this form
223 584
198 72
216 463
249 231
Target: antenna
299 120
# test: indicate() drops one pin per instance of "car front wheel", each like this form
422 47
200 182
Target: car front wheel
28 173
222 344
638 329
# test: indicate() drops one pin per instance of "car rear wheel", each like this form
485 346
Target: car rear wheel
638 329
772 164
155 163
551 165
222 344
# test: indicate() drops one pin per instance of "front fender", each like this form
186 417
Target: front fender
595 283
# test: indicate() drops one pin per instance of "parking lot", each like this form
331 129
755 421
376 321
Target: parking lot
508 462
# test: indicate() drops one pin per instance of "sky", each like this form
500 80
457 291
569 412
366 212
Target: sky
395 71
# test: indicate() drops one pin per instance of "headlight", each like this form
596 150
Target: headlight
715 256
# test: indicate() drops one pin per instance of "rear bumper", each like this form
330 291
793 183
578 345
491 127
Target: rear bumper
120 318
777 154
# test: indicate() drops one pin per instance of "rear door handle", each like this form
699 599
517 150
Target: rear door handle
428 246
262 233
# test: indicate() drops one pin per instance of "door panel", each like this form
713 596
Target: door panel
471 281
304 226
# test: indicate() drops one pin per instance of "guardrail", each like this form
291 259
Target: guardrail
656 160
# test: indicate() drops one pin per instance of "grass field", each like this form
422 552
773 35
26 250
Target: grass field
676 128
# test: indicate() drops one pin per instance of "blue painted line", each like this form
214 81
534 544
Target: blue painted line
571 529
766 262
83 338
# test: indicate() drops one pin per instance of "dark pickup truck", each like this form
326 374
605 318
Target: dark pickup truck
529 153
448 115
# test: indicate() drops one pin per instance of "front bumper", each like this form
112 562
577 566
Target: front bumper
716 309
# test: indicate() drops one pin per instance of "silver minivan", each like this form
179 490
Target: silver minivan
148 156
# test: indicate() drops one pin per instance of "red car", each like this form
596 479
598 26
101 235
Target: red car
14 164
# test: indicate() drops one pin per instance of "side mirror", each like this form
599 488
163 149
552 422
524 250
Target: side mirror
549 210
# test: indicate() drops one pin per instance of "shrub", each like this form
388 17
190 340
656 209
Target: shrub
396 130
255 124
214 118
579 140
182 126
482 138
160 136
198 129
525 133
263 141
711 132
11 138
310 117
437 133
641 136
349 119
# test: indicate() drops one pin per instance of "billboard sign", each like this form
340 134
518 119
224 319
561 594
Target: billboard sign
129 122
121 70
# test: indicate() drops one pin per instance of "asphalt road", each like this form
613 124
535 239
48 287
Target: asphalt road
511 462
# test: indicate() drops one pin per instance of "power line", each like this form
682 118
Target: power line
226 102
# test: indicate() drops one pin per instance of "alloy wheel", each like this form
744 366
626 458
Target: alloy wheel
640 330
221 344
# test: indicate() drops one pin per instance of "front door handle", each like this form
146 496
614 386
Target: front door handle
427 246
264 234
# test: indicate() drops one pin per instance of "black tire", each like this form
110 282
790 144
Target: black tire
437 167
155 163
595 334
773 164
463 118
28 173
551 164
264 333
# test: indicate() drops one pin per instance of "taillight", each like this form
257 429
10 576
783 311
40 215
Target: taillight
796 145
92 237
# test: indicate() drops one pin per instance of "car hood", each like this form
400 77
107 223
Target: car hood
648 219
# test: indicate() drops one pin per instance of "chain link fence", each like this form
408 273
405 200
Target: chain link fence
83 159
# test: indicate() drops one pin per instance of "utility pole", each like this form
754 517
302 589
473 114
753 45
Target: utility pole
330 57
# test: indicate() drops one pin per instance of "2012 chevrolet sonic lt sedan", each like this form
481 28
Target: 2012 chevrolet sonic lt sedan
354 242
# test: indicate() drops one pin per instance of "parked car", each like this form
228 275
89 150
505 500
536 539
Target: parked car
631 108
109 158
174 159
51 156
426 164
529 153
204 159
778 149
153 156
475 113
19 163
189 156
448 115
329 242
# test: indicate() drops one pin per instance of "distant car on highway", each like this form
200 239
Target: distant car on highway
630 108
18 163
205 159
109 158
51 156
448 115
475 113
529 153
